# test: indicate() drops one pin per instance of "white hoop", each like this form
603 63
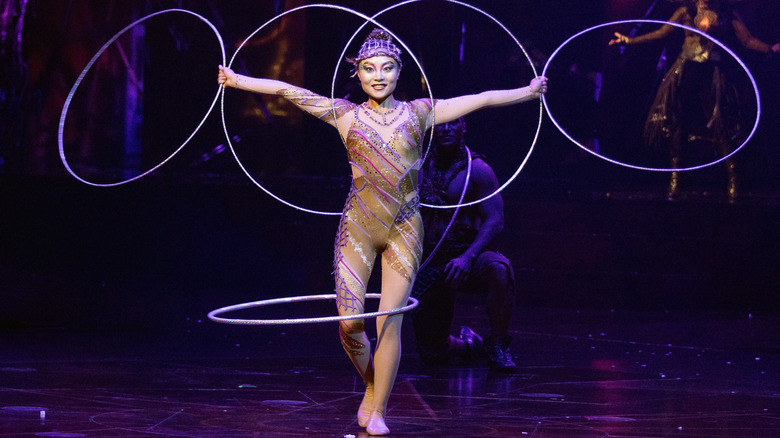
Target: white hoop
222 103
214 314
454 213
89 66
373 20
657 169
538 127
408 51
530 62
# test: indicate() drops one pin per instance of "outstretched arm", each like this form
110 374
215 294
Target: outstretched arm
448 110
312 103
749 41
662 32
231 79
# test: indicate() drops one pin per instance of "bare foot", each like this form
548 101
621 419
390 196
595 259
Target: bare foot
376 424
364 411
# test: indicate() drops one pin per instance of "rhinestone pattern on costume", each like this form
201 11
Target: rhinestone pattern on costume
319 106
367 110
382 211
351 345
381 214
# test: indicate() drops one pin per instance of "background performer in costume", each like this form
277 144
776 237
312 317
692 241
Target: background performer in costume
465 259
696 101
383 138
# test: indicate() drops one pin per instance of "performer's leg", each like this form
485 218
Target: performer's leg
675 150
494 271
674 180
731 188
352 271
723 145
395 293
358 348
501 298
433 317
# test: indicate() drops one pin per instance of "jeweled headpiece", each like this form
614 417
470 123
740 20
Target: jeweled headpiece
378 43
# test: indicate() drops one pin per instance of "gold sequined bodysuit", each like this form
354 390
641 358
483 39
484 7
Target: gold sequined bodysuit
381 214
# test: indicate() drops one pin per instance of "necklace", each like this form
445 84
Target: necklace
368 111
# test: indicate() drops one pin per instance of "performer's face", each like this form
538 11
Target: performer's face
449 136
378 76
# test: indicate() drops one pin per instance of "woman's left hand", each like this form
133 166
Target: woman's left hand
538 85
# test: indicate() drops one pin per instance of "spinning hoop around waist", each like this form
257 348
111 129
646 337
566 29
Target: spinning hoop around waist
214 314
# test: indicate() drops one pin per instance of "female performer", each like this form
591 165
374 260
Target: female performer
383 137
696 101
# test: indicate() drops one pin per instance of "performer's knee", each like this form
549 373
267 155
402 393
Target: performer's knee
351 327
499 273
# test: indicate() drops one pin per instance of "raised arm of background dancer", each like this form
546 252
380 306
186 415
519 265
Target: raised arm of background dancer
749 41
661 32
448 110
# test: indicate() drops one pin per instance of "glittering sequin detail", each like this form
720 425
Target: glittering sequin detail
381 215
351 345
319 106
396 261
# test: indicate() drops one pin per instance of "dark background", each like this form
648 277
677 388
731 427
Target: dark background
196 234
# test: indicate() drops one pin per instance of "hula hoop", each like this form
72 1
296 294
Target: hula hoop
373 20
408 50
222 104
538 126
454 213
657 169
424 155
89 66
214 314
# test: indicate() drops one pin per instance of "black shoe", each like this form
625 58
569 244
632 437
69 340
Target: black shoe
475 347
499 358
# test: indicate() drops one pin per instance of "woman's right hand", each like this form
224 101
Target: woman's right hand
226 77
619 39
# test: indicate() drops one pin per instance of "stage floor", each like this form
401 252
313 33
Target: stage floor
582 374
